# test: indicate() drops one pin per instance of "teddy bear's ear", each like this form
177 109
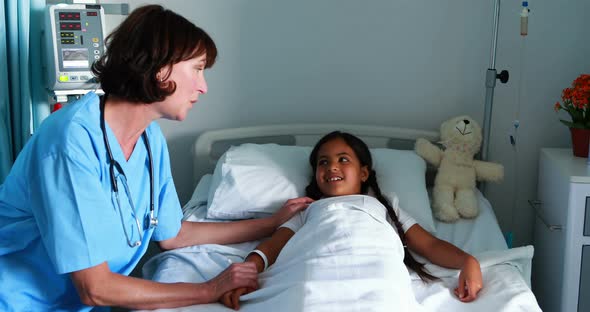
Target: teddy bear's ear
445 125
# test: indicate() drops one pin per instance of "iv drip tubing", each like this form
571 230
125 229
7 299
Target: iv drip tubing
520 75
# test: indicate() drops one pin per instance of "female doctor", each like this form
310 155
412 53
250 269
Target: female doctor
93 186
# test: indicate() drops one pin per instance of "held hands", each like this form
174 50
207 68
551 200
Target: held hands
290 208
470 280
231 299
237 275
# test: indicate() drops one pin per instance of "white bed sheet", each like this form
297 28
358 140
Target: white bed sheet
506 272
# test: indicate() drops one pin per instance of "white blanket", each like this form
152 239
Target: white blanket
348 258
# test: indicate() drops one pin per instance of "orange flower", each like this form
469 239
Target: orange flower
576 102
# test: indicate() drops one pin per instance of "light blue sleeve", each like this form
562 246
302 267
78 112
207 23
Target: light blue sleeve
75 216
169 209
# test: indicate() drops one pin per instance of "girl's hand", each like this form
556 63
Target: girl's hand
290 208
235 276
470 280
231 299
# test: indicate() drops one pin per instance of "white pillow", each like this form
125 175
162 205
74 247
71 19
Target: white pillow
403 172
252 180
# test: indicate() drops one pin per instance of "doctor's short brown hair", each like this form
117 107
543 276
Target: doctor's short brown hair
149 39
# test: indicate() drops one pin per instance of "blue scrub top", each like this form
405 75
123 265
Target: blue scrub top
58 212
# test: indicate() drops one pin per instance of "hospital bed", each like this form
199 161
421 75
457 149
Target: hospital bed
231 165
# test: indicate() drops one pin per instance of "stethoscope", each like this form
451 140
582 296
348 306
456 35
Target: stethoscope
151 220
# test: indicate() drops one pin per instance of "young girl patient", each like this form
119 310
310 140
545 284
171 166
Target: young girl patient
343 167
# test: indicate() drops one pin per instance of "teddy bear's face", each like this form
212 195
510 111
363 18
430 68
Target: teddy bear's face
461 133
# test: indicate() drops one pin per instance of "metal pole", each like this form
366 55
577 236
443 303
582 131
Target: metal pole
491 77
495 34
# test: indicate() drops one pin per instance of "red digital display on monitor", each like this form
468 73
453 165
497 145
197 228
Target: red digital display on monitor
70 26
69 16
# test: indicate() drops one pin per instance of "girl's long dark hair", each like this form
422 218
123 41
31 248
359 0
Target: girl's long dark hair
364 155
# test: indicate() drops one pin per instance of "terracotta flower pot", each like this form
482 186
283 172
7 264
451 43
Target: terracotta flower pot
580 141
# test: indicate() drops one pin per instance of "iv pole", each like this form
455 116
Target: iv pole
491 76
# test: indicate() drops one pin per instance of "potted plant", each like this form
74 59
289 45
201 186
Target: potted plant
575 101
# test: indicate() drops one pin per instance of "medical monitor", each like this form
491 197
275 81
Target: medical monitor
74 40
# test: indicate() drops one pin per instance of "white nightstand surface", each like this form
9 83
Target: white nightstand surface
575 167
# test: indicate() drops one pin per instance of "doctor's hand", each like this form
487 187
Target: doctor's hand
470 280
237 275
231 299
290 208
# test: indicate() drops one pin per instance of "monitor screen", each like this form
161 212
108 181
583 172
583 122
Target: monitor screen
75 58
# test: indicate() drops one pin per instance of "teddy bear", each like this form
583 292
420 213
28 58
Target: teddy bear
453 195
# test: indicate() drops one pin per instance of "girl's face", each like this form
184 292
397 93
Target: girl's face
190 83
339 171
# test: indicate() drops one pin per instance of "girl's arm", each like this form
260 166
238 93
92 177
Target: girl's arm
197 233
271 249
447 255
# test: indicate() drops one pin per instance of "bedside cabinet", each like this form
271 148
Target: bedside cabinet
561 265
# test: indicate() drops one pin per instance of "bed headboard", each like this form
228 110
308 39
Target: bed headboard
210 145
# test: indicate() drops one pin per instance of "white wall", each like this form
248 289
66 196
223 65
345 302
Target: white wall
408 63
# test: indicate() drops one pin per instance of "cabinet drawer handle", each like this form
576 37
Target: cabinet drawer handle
535 204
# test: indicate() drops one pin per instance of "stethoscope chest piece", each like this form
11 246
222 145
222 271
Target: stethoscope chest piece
151 221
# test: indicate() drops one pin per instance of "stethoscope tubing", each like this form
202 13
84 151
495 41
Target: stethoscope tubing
152 220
